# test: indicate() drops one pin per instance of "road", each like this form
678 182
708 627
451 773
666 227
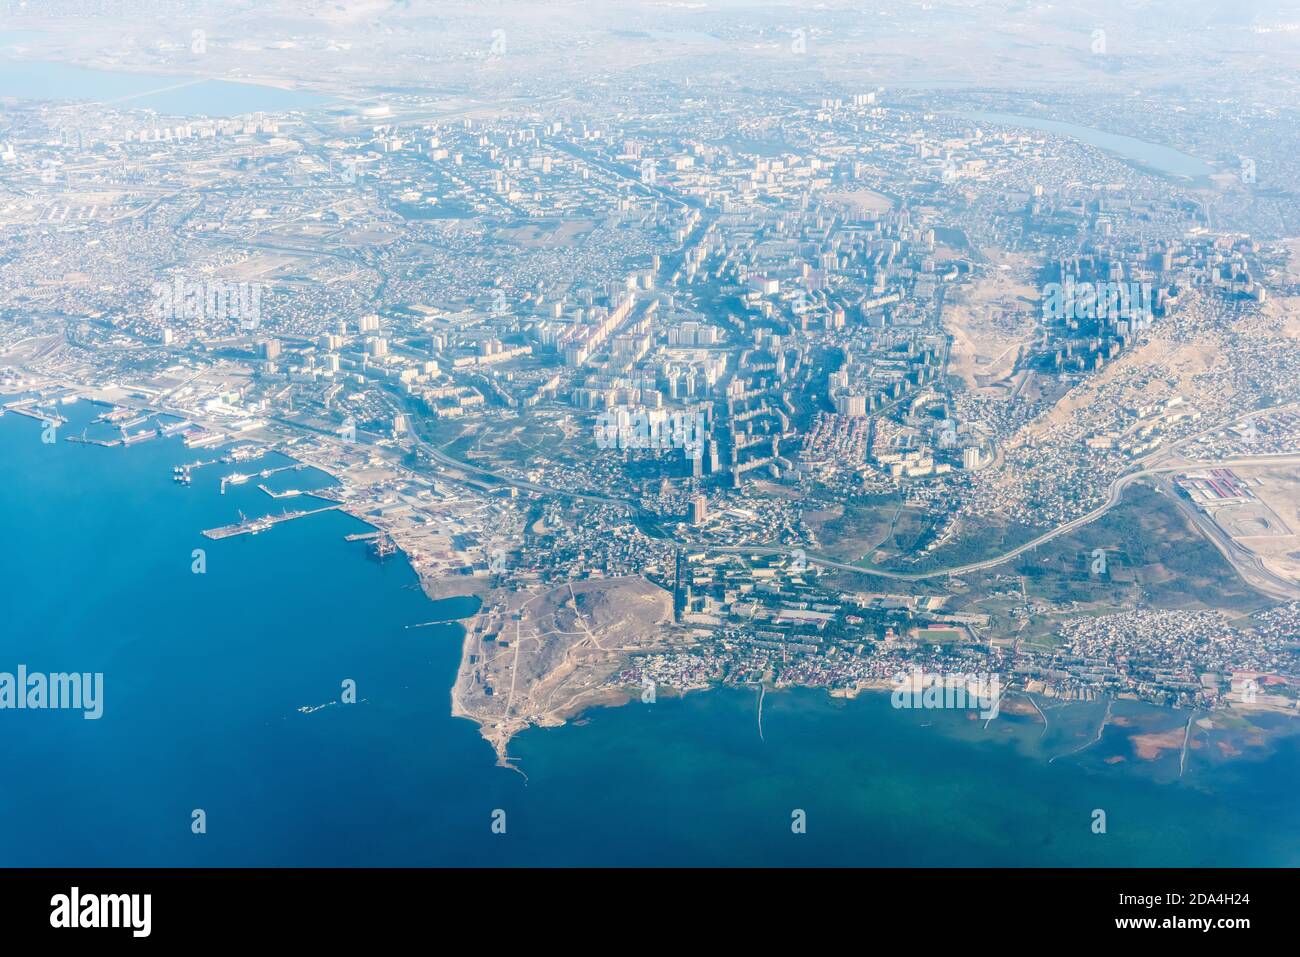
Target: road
443 459
1114 494
1247 565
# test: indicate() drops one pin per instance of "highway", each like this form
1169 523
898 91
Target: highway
1247 565
1115 493
443 459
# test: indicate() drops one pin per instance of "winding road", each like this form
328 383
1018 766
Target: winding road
1114 494
1258 576
1248 566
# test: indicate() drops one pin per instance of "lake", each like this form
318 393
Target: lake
1161 158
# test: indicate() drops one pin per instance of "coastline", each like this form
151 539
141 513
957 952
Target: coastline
871 755
438 588
499 730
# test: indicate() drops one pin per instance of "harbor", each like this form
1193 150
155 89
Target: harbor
40 416
239 478
254 526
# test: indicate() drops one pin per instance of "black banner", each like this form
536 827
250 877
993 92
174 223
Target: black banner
327 907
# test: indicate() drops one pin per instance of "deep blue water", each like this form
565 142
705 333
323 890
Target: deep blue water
204 675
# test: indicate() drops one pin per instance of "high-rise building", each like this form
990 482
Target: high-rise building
851 405
699 509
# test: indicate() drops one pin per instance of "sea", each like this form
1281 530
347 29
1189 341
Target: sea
173 95
224 704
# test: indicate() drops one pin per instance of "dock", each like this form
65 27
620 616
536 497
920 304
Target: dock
82 440
135 438
253 526
234 478
287 493
37 414
239 478
198 464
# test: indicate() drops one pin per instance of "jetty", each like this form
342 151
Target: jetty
253 526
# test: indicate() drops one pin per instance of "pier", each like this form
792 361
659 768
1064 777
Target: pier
252 526
239 478
287 493
37 414
82 440
244 453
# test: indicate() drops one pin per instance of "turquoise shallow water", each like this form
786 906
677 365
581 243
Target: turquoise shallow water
204 675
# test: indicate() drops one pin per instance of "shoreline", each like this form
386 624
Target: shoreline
499 732
499 735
